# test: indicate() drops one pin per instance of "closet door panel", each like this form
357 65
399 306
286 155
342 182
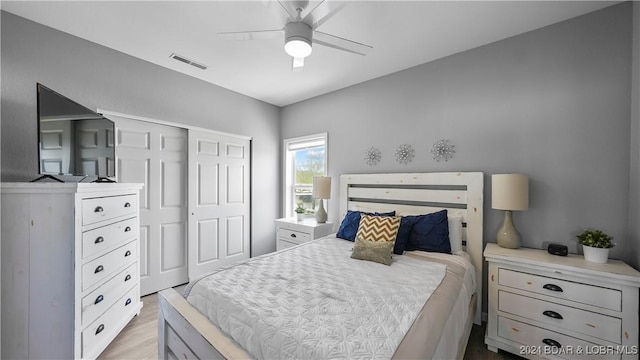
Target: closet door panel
156 155
218 201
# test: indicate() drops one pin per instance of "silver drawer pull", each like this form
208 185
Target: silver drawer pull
98 209
98 300
126 303
552 287
552 314
98 240
100 328
293 235
552 342
98 269
127 204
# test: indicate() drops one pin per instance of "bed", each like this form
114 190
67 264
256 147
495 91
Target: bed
438 329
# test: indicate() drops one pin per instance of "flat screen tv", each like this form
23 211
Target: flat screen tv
72 139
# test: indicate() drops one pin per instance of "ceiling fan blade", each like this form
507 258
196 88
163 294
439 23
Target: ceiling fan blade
293 14
251 35
297 64
339 43
320 15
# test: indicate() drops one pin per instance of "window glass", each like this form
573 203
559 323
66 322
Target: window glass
304 158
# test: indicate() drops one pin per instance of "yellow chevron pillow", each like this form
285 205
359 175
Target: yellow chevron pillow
376 238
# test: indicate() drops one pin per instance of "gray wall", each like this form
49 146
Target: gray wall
553 104
98 77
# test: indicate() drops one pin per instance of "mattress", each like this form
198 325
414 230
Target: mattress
314 301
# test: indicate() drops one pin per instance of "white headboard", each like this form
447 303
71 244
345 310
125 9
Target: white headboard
421 193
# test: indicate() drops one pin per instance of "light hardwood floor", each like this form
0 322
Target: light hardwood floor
139 340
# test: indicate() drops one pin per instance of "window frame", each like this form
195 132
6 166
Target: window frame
288 174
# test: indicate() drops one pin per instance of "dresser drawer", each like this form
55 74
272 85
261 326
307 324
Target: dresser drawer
97 335
98 301
102 267
108 237
538 338
297 237
573 291
105 208
577 320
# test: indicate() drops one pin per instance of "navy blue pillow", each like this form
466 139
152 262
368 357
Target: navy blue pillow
430 233
406 224
349 226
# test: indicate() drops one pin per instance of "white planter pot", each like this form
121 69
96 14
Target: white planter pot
299 217
596 255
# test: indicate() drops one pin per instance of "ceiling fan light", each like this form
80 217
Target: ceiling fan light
298 47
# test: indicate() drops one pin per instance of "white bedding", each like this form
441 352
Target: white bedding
314 301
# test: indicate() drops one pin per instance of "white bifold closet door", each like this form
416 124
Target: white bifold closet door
195 204
219 199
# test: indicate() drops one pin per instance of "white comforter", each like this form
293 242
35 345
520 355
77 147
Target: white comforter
314 302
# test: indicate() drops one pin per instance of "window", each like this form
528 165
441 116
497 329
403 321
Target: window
304 158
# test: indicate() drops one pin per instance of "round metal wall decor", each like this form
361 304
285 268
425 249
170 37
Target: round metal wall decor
372 156
404 154
442 150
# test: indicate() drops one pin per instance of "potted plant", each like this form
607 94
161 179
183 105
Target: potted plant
299 212
595 245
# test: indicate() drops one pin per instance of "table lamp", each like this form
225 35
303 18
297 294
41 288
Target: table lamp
321 190
509 192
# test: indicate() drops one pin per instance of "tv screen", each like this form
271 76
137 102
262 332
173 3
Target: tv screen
73 140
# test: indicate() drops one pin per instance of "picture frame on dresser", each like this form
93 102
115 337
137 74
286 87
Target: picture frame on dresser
560 307
70 267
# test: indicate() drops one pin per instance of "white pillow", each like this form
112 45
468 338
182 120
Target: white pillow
455 234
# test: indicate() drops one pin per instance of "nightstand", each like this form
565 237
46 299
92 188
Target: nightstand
547 306
291 232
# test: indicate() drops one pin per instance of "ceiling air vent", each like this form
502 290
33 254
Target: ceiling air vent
187 61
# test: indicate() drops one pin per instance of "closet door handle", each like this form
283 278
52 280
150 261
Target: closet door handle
552 287
551 342
98 300
552 314
98 269
127 278
127 229
128 253
127 204
98 240
100 328
126 303
98 209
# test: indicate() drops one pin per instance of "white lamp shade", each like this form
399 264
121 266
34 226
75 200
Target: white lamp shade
321 187
509 192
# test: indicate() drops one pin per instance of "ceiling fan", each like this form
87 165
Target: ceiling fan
300 33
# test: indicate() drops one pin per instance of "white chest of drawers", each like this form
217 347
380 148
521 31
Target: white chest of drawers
546 306
290 232
70 267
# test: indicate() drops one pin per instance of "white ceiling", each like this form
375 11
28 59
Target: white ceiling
403 34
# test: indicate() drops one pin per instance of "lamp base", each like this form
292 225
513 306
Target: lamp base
321 215
508 236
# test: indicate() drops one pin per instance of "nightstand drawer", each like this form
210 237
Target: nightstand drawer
550 342
572 291
566 317
293 236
